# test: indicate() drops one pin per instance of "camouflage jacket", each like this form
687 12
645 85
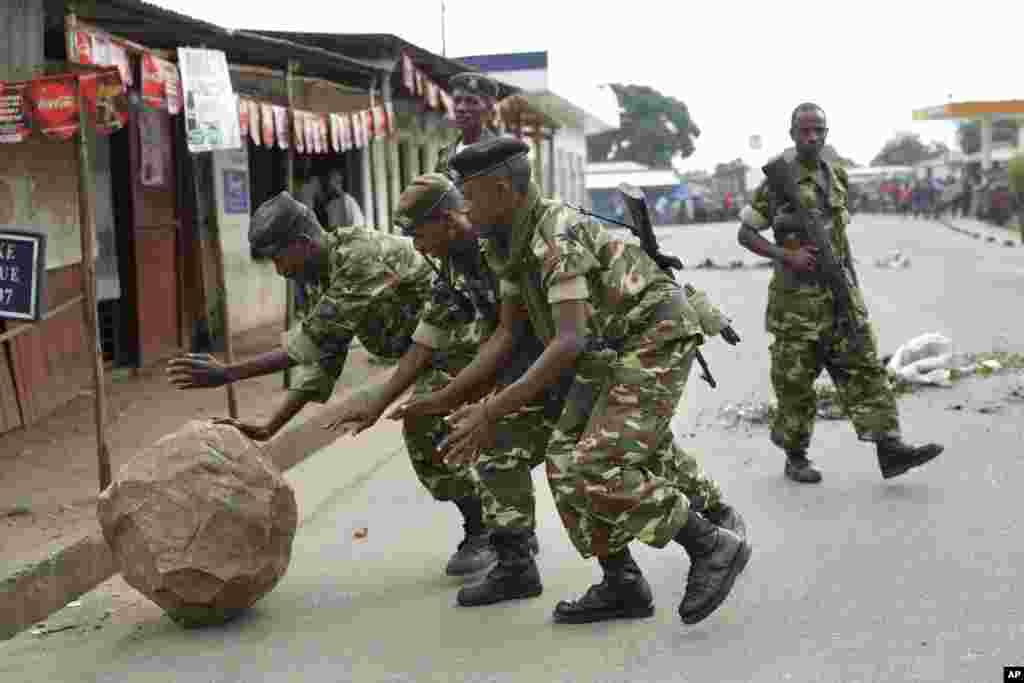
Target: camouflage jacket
375 289
804 308
556 254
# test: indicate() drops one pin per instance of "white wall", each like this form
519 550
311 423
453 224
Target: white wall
570 165
527 79
256 293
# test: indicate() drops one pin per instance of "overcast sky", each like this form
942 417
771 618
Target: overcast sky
740 66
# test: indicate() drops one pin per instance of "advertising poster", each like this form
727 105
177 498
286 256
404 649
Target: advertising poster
105 100
153 164
55 106
236 191
211 111
14 114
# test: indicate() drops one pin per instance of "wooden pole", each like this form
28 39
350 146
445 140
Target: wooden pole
289 309
87 230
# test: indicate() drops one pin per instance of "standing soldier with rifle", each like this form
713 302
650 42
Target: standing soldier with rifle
604 308
815 308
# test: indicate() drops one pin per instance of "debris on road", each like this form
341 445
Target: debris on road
360 534
894 259
753 412
926 359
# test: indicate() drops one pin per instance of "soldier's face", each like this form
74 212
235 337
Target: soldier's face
290 262
439 236
471 110
809 133
487 202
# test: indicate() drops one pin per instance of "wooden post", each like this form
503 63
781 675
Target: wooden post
289 309
87 231
213 230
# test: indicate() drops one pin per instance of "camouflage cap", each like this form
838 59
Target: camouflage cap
277 222
487 156
475 83
421 199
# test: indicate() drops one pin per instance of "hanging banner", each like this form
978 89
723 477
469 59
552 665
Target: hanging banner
172 87
105 100
22 274
211 113
335 133
154 93
432 97
449 105
420 80
254 121
55 106
408 74
119 58
299 128
243 118
83 48
15 125
267 124
325 143
345 131
371 131
281 126
153 164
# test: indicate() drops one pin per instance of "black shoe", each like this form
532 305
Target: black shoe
623 594
896 457
801 470
474 554
534 545
727 517
514 577
717 556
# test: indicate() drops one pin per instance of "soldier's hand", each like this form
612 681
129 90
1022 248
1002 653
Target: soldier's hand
802 260
419 406
254 430
356 417
197 371
472 432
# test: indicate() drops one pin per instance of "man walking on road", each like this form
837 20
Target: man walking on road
605 309
359 283
801 314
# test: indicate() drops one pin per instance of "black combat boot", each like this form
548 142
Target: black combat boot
623 594
474 553
534 545
513 578
727 517
896 457
717 556
800 469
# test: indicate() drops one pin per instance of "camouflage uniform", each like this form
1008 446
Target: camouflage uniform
613 466
502 473
448 151
801 316
375 289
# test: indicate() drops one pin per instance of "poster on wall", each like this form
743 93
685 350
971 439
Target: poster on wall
105 100
153 90
55 106
14 121
211 110
236 191
152 146
22 274
172 87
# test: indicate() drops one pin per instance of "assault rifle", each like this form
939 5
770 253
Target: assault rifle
643 229
780 177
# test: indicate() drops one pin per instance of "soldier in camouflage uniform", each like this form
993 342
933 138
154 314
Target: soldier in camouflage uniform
474 96
461 315
613 466
801 316
360 283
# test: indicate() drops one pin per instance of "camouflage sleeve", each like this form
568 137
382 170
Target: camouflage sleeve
758 213
567 253
434 328
319 367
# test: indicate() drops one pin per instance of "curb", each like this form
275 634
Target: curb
1005 241
32 591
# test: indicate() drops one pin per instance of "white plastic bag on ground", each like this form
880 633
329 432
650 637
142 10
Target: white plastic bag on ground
926 359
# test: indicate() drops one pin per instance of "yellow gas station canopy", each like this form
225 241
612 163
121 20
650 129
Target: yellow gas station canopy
971 110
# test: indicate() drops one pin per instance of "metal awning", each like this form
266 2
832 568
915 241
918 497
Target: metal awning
994 109
158 28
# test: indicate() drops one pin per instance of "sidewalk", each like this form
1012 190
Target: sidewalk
48 472
992 234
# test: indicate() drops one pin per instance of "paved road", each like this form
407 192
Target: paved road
853 580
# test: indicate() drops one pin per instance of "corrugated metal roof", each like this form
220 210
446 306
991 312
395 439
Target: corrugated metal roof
649 178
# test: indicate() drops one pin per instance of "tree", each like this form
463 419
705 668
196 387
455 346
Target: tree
654 130
968 134
906 149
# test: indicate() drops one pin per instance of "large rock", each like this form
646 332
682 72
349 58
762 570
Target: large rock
200 523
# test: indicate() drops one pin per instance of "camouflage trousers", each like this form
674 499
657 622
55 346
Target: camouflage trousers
422 437
614 468
506 486
861 384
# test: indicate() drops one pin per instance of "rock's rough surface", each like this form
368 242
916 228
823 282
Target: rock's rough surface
200 523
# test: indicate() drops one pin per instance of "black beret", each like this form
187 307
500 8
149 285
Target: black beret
277 222
476 83
487 156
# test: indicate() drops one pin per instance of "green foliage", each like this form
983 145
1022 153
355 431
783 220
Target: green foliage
655 129
1016 171
907 150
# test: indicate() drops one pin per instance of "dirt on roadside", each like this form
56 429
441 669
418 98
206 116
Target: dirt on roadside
48 472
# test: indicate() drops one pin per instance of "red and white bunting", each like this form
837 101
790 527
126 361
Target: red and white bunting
267 124
243 117
299 128
254 122
281 126
408 74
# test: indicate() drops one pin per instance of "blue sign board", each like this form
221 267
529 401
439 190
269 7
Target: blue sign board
236 191
22 274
